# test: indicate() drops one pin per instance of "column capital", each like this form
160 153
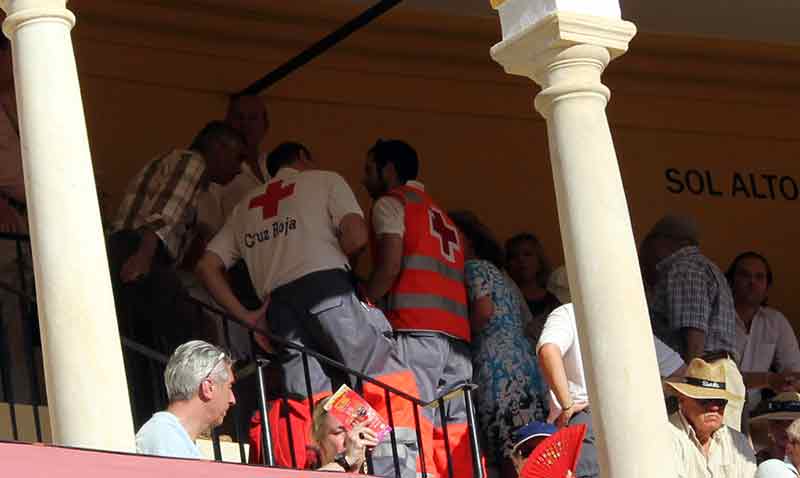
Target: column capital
19 12
527 51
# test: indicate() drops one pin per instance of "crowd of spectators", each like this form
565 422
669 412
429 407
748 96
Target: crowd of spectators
273 241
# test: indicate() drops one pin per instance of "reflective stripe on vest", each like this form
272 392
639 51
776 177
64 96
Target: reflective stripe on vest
427 301
429 294
425 263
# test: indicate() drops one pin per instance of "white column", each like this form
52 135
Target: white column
565 52
86 386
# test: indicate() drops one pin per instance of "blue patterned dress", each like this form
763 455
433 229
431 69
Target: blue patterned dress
512 391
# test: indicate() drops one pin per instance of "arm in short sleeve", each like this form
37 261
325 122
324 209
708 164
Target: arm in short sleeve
177 194
559 329
388 216
341 200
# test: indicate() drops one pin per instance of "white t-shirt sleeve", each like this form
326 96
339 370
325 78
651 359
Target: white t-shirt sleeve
668 360
341 201
388 216
559 329
224 243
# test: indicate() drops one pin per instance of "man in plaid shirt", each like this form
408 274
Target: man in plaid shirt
154 225
692 308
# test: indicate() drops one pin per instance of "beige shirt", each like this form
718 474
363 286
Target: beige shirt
730 454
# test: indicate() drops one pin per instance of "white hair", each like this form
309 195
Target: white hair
190 364
793 431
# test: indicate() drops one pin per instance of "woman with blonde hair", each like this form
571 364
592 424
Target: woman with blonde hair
338 449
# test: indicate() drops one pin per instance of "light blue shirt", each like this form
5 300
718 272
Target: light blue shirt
776 469
163 435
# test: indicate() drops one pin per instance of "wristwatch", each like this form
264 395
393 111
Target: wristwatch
341 460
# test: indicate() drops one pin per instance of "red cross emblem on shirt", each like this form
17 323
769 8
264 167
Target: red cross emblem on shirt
447 234
268 202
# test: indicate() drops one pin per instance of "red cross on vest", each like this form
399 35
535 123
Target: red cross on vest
268 202
447 235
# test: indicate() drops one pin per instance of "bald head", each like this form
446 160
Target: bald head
248 115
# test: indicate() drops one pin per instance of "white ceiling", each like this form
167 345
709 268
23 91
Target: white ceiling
760 20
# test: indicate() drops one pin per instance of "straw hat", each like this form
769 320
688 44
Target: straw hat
703 380
784 406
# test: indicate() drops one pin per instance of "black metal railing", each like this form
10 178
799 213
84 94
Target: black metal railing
253 365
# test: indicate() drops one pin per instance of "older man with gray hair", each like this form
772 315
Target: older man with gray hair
199 382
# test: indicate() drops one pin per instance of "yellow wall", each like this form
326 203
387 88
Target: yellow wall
153 72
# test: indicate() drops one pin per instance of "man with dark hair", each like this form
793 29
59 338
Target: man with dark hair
155 222
692 307
285 154
419 274
298 236
766 344
248 115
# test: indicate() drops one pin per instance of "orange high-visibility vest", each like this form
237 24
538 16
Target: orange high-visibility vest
429 294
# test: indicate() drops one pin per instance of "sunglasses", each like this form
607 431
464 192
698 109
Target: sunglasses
712 402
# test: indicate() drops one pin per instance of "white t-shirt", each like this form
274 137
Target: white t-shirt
389 214
561 329
164 435
288 228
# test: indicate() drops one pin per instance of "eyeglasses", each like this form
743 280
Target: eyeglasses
712 402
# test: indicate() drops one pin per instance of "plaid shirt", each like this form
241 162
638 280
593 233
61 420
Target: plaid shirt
163 198
692 292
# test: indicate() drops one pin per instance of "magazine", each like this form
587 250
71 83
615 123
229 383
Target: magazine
351 409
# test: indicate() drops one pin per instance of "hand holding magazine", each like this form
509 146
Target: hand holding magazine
351 409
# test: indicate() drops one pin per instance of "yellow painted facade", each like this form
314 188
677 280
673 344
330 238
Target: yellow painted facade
699 114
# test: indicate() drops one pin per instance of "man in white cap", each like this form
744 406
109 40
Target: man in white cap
704 446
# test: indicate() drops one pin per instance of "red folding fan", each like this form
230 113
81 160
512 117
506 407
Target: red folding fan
556 455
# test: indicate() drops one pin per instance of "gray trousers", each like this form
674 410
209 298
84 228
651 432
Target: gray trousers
322 312
588 466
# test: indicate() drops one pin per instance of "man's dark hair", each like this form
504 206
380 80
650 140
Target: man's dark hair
483 242
730 274
285 154
545 269
214 132
400 154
